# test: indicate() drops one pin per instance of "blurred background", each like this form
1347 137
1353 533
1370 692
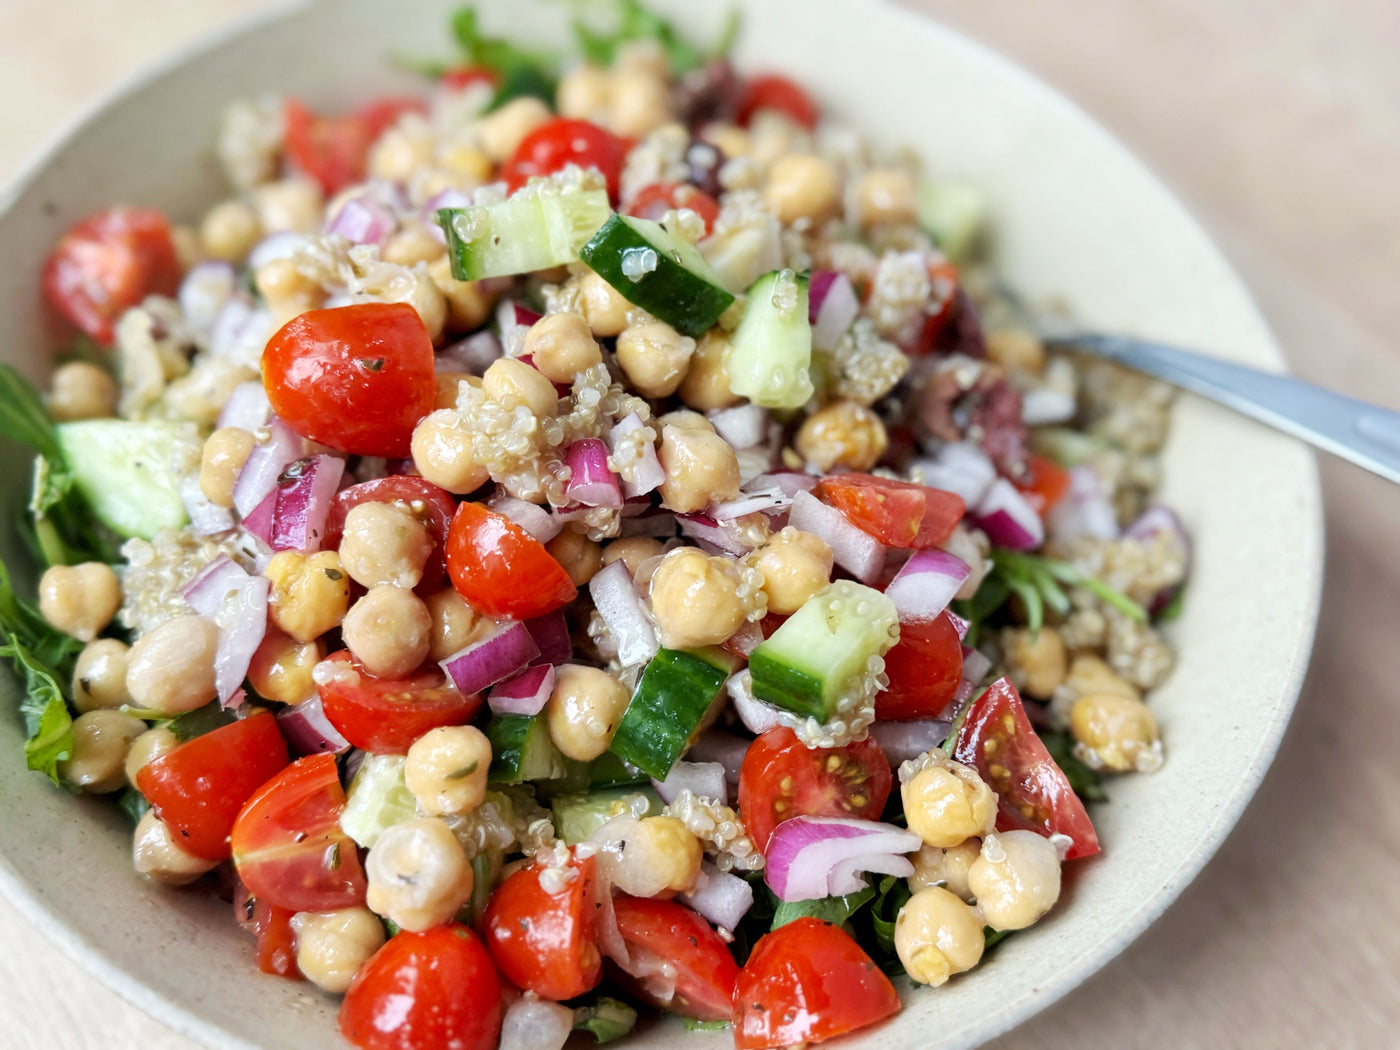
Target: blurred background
1279 125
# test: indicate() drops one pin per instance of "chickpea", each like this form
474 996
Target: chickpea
229 231
1089 674
937 935
100 743
583 711
652 857
412 245
843 433
632 551
418 874
455 624
729 139
640 102
654 357
82 390
310 593
1015 878
281 668
80 599
447 386
421 292
287 291
584 93
388 631
936 866
442 452
1016 350
446 770
467 166
99 676
400 153
1115 732
156 854
171 669
512 382
886 195
947 803
333 945
467 305
580 556
561 347
795 566
146 748
695 599
1039 656
384 543
603 306
501 132
293 204
802 187
227 449
701 467
775 136
705 386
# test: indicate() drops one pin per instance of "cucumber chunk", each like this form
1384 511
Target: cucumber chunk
954 214
522 750
676 691
127 471
377 800
771 354
522 234
578 816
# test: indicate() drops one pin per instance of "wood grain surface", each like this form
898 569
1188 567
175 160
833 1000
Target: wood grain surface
1278 124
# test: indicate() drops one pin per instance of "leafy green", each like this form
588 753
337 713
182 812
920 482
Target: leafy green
893 893
1172 610
606 1020
22 415
201 720
521 72
1086 782
632 21
993 937
829 909
133 804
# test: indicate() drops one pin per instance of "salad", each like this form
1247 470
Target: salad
590 540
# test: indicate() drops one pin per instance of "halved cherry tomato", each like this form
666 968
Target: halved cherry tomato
429 503
288 846
384 716
500 570
199 787
782 778
897 513
277 941
774 92
423 991
676 960
383 113
924 668
466 76
997 740
108 263
331 150
1044 484
944 304
565 141
654 201
357 378
805 982
542 941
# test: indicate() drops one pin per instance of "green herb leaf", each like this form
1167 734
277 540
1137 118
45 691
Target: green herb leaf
1172 610
1086 782
133 804
22 415
201 720
520 72
47 723
829 909
893 894
633 21
993 937
605 1020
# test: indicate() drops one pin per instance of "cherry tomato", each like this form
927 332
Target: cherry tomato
542 941
331 150
384 716
677 961
429 503
500 570
108 263
382 114
199 787
897 513
425 991
288 846
997 739
465 76
944 304
356 378
782 778
1044 484
564 141
924 668
277 942
780 93
654 201
806 982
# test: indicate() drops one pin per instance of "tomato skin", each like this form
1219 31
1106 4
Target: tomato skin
654 201
544 942
107 263
1029 776
806 982
858 788
423 991
897 513
198 787
357 378
288 847
429 503
465 76
943 276
277 948
924 668
381 114
1044 484
771 91
565 141
658 932
500 570
384 716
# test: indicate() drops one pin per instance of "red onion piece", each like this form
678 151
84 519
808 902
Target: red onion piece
247 407
1008 520
534 519
241 331
926 583
959 624
524 694
308 730
281 245
975 667
788 482
959 467
1043 405
259 521
617 603
743 426
206 518
721 897
699 778
901 741
770 502
492 659
283 447
204 291
1085 510
647 474
513 320
237 603
304 495
363 219
446 199
1155 521
551 635
591 482
813 857
719 536
715 745
855 550
532 1023
473 354
832 307
746 639
757 715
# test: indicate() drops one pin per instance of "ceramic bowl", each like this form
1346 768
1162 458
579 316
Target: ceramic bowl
1076 218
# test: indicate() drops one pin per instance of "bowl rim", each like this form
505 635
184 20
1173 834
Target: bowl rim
1042 995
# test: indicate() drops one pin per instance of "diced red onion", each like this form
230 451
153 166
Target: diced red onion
492 659
1155 521
832 306
959 624
959 467
647 473
609 935
715 745
473 354
240 332
855 550
721 897
788 482
975 667
532 1023
449 198
926 583
813 857
1008 520
282 245
746 639
204 291
591 482
308 730
237 603
901 741
513 320
206 517
247 407
964 545
1042 405
699 778
1084 510
523 694
304 495
534 519
258 478
551 635
770 502
259 521
758 717
363 219
718 537
617 603
743 426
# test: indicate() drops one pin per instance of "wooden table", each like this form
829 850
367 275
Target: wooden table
1279 126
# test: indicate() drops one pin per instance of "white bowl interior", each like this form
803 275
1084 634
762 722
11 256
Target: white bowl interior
1076 218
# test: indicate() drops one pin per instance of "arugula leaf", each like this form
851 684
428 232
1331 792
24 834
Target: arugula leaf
892 895
1086 782
829 909
632 21
605 1020
47 723
22 415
